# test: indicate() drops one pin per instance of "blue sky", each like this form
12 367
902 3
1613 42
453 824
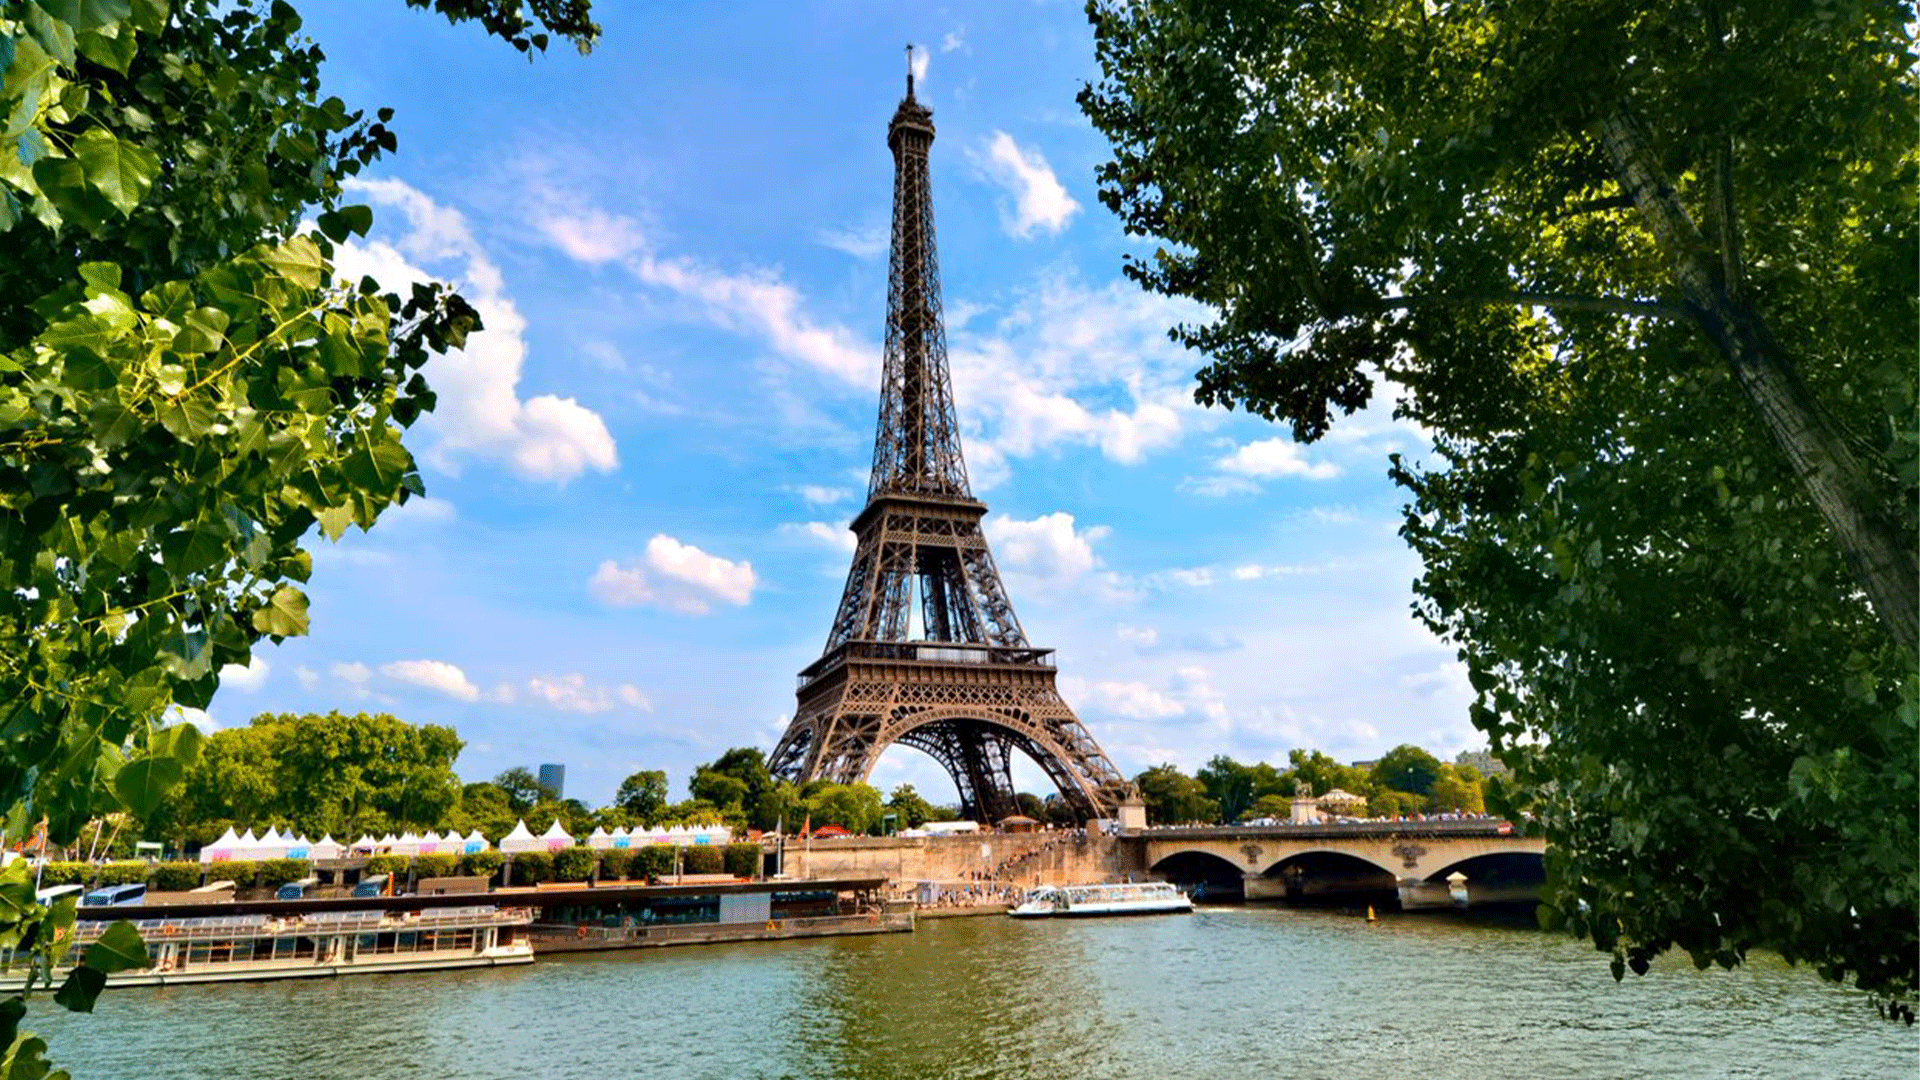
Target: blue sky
640 474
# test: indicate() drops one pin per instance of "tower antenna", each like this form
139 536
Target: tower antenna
909 69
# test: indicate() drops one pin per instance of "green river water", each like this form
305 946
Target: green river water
1250 991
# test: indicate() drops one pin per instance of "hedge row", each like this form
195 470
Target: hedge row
529 868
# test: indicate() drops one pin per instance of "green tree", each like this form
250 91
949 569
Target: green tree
644 795
913 810
1321 774
184 390
485 807
854 807
1174 798
1235 786
1456 790
524 790
1646 273
1277 807
739 780
1407 768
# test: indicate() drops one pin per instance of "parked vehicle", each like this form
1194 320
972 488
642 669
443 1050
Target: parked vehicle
115 895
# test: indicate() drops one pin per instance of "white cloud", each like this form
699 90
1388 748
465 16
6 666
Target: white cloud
954 39
819 495
1040 202
865 242
590 235
182 714
838 537
1144 637
308 677
437 675
572 693
1279 456
675 576
246 679
922 59
1048 546
480 411
762 304
1135 700
352 671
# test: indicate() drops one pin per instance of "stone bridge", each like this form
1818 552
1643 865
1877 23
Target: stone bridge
1424 863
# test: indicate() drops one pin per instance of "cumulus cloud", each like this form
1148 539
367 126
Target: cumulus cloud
1135 700
480 412
1039 200
922 59
1144 637
589 235
183 714
352 671
954 39
246 679
763 305
1049 546
1274 457
675 576
865 242
308 677
436 675
820 495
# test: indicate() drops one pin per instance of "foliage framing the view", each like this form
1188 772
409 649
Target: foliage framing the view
1647 273
185 391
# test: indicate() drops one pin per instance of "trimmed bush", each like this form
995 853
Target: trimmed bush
616 863
239 871
531 868
574 863
277 872
66 873
743 860
481 863
653 861
176 876
123 873
388 864
434 865
702 859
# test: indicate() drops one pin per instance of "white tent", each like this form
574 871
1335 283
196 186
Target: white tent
326 848
599 839
299 847
407 844
222 849
621 838
556 837
430 842
474 842
520 839
365 844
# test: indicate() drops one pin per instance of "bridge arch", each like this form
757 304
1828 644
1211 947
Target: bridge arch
1331 876
1196 867
975 744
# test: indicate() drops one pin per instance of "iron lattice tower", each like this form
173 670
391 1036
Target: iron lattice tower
969 689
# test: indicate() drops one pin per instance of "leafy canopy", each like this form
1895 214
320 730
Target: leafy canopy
1647 273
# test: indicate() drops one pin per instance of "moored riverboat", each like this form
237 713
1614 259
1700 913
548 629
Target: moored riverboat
1113 898
236 948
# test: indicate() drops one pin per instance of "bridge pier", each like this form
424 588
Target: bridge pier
1257 886
1418 895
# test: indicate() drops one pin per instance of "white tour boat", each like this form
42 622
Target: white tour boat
235 948
1117 898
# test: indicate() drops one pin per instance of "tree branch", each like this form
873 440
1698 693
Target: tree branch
1614 305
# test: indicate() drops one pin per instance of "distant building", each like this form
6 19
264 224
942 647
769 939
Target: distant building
554 779
1482 760
1368 764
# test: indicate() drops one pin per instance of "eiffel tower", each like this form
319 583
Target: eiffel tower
964 686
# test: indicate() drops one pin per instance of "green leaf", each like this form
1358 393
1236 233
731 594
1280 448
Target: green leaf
81 989
143 783
334 521
118 948
88 14
299 260
285 614
120 171
113 47
54 35
187 418
203 330
192 549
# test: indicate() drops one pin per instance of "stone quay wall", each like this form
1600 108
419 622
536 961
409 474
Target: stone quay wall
1021 859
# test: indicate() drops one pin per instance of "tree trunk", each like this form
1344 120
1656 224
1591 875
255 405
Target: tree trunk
1883 564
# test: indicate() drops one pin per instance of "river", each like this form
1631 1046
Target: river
1226 992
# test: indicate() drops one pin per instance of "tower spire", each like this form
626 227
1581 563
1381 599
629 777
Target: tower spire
968 688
